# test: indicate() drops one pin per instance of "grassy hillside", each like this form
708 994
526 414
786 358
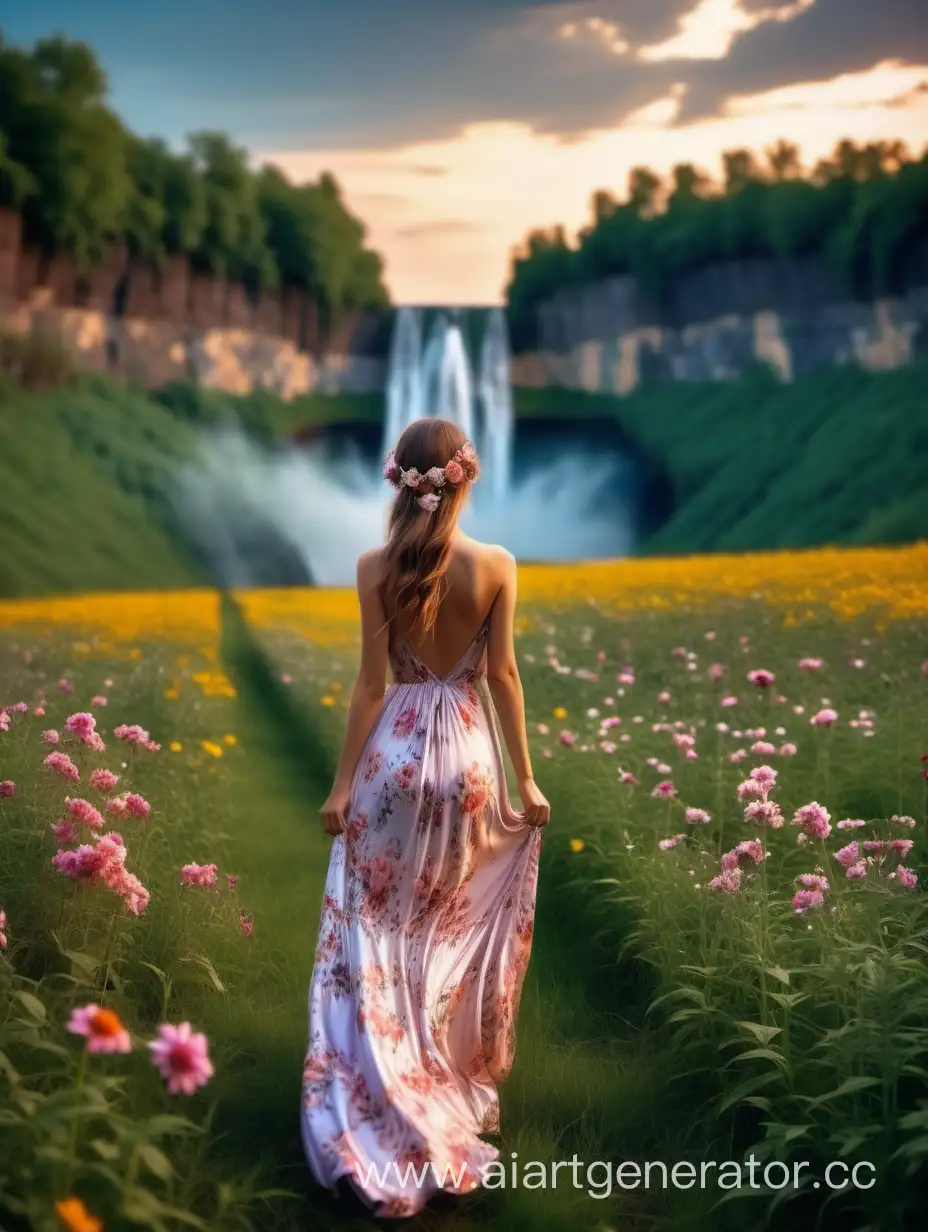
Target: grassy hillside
86 468
839 457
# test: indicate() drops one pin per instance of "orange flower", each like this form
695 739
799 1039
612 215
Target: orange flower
76 1217
576 844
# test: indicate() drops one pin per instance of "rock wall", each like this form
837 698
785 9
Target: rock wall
720 321
151 326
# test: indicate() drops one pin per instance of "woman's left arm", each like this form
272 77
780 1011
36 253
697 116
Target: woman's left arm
367 694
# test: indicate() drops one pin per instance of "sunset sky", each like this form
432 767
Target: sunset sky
455 126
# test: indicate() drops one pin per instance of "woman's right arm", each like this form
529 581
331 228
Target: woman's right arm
506 690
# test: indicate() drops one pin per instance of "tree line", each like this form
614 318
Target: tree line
83 182
864 209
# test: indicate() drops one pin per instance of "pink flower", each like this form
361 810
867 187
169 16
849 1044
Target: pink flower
181 1057
65 831
131 733
626 676
628 778
81 810
50 736
429 502
202 875
903 821
848 855
411 478
824 718
454 472
765 813
814 820
907 879
103 780
102 1028
850 824
727 882
752 789
728 700
4 941
664 698
761 678
62 764
131 804
813 881
233 882
902 847
668 844
738 755
763 748
65 686
245 922
7 788
664 790
81 725
811 665
391 468
683 740
765 775
98 701
875 845
807 900
567 738
750 849
698 817
857 871
716 671
788 750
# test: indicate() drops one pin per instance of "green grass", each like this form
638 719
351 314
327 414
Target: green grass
630 1046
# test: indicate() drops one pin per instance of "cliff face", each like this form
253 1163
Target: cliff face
717 323
156 326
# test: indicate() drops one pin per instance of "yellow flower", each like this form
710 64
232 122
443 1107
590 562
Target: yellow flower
176 747
328 700
76 1217
230 740
336 686
576 844
214 750
135 654
559 712
172 693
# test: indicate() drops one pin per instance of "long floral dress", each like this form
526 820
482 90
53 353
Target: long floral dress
424 939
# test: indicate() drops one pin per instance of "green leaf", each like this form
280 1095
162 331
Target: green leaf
32 1005
779 973
850 1086
156 1161
759 1031
744 1089
761 1054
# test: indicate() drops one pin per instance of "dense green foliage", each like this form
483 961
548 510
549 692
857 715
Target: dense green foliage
838 457
83 182
864 209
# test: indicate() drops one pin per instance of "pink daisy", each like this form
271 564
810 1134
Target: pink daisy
102 1028
181 1056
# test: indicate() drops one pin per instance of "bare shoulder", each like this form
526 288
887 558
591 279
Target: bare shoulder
370 569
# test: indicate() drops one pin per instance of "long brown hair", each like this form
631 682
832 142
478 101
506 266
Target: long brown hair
415 557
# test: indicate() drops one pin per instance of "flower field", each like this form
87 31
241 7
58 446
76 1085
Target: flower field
731 935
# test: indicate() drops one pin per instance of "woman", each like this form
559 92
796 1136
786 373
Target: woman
429 902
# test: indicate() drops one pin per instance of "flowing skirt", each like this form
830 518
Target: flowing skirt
423 943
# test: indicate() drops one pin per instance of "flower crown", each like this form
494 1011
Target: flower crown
463 467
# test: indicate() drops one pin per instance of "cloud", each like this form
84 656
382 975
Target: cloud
438 226
708 31
606 33
889 83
